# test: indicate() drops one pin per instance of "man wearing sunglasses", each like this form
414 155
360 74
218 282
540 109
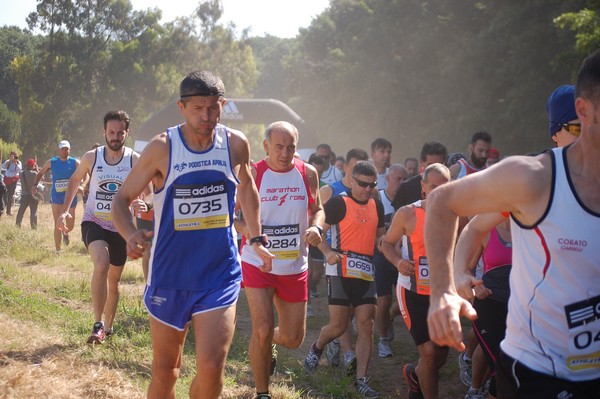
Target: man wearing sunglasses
357 221
564 122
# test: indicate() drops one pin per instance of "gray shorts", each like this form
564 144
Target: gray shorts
345 291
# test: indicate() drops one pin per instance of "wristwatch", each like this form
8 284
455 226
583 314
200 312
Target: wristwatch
318 228
261 239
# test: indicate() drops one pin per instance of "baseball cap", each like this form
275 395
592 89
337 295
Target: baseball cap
64 143
561 107
30 163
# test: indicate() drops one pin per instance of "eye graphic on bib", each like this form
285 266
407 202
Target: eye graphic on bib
104 196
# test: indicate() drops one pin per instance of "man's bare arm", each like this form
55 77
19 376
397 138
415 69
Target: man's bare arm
145 168
517 185
85 166
247 195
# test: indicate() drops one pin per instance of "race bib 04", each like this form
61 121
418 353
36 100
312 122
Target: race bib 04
200 207
283 241
104 198
583 319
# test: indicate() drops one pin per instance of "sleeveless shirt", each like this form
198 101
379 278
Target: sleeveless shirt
105 181
284 209
194 245
553 323
413 249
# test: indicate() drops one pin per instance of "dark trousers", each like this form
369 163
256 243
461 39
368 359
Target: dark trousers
10 197
2 195
32 203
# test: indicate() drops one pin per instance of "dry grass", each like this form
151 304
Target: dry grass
42 358
36 363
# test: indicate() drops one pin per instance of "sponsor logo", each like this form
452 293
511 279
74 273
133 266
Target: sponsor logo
564 395
282 200
284 230
111 186
231 112
180 166
570 244
583 312
281 190
122 168
199 191
157 300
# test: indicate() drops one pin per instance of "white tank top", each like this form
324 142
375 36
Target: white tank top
284 200
105 181
553 323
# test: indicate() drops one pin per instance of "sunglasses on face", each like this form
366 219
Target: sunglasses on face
573 128
364 184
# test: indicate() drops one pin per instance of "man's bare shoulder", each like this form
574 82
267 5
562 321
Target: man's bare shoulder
524 168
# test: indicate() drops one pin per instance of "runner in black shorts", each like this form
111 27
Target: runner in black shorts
117 248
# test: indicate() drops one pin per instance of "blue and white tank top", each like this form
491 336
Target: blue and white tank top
105 181
553 323
61 173
194 245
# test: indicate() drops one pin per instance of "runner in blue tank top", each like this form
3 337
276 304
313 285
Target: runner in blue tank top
198 169
62 167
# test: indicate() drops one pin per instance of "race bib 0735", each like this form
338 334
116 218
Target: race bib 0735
200 207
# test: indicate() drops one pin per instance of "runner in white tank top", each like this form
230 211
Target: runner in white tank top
291 216
552 345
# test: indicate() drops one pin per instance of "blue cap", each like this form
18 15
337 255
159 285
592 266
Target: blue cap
561 107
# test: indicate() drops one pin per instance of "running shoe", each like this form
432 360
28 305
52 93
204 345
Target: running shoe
312 359
384 349
65 238
414 389
363 388
263 396
273 359
333 353
475 393
98 334
349 362
465 370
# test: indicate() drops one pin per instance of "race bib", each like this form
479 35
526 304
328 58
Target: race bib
283 241
583 319
60 185
356 265
200 207
103 205
422 276
104 196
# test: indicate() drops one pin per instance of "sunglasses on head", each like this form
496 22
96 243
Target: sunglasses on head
573 128
364 184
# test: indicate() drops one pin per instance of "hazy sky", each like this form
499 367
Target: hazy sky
276 17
